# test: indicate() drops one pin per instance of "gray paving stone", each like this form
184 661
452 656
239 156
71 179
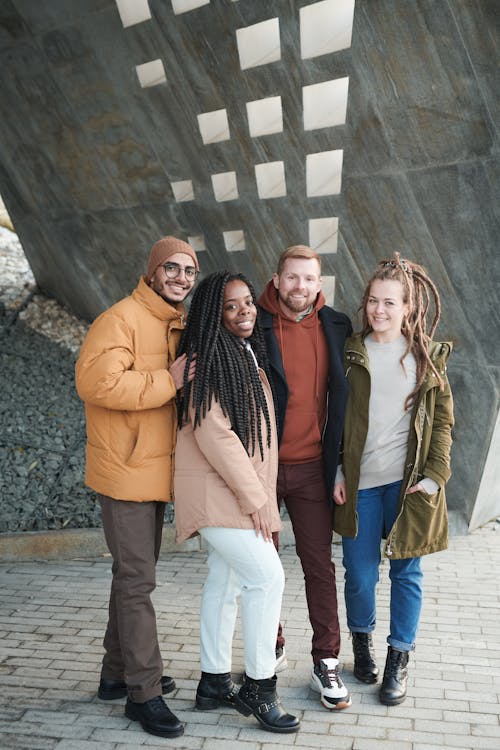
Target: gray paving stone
484 730
369 744
485 708
103 722
215 732
50 717
216 744
39 729
28 742
84 745
479 743
472 718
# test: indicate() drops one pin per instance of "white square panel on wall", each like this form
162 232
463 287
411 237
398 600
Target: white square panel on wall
197 242
151 73
328 289
234 241
183 190
214 126
323 234
325 104
324 173
225 186
133 11
325 27
265 116
183 6
259 44
270 179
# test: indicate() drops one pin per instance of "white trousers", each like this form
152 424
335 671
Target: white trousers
240 564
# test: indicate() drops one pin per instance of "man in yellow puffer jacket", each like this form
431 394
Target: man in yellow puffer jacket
128 376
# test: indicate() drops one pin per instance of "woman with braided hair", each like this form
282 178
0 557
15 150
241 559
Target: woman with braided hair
395 463
226 465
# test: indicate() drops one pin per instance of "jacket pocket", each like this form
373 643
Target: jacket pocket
139 438
426 520
423 500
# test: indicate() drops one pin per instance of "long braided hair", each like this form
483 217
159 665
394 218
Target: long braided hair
225 368
418 289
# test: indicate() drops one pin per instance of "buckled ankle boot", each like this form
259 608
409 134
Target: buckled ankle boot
393 688
365 668
215 690
259 697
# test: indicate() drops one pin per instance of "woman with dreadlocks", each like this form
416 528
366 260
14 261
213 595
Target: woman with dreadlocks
396 462
225 490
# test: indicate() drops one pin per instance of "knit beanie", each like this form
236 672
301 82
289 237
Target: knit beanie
163 249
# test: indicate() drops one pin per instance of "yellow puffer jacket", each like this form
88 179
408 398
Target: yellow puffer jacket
129 396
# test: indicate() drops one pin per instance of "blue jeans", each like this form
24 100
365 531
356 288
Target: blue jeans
377 509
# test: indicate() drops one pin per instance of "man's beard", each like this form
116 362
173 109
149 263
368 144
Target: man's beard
296 305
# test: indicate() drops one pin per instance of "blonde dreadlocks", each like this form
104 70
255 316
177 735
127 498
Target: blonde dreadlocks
418 289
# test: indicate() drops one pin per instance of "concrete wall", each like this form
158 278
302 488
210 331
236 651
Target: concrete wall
94 166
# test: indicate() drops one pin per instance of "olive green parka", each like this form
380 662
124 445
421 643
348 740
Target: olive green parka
421 525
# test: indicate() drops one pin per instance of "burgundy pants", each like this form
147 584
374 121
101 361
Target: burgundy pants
301 487
133 534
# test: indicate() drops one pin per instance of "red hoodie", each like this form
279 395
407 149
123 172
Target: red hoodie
304 353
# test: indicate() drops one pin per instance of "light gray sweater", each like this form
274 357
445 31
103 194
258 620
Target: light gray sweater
384 454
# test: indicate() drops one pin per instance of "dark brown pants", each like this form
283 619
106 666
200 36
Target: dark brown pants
133 535
301 487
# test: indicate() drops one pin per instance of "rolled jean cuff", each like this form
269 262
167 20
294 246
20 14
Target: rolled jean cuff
400 645
368 629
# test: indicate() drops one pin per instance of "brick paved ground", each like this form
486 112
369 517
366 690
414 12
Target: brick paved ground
52 616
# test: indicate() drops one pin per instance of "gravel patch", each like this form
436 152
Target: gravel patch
20 298
42 442
16 279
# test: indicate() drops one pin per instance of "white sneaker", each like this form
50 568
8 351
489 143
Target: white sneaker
281 660
325 680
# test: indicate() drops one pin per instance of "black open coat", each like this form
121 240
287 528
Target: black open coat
337 328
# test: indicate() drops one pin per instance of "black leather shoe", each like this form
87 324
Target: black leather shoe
215 690
110 690
259 697
365 668
393 688
154 717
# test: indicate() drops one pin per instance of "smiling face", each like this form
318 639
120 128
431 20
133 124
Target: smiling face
386 309
238 310
173 290
298 285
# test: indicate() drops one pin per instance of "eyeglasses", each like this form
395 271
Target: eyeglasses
172 271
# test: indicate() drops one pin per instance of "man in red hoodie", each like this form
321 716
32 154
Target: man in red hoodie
305 342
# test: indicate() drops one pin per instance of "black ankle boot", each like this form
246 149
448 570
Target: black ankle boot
393 688
365 668
259 697
155 717
215 690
